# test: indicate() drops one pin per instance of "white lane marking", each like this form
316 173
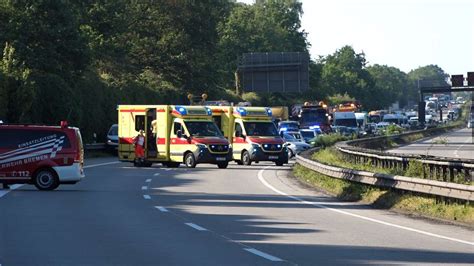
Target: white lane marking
156 174
144 188
260 177
146 197
262 254
148 180
100 164
462 145
12 187
195 226
168 169
162 209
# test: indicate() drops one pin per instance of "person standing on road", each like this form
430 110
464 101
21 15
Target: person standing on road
139 142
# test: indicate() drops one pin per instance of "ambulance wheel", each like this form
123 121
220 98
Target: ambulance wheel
189 160
223 165
279 163
239 162
46 179
246 158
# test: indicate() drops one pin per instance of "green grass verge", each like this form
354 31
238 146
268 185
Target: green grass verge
407 202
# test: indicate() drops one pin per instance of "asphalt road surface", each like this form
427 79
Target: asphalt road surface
457 144
257 215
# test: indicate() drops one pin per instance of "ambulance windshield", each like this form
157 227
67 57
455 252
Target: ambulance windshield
203 129
260 129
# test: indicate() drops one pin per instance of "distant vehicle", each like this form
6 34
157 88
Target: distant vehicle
345 123
470 124
431 105
395 119
45 156
376 116
294 146
288 126
349 106
315 117
112 137
295 134
361 119
308 134
279 113
381 127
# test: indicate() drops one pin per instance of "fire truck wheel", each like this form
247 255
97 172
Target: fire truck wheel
46 179
189 160
246 158
223 165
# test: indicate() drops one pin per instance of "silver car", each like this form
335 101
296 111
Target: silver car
112 137
294 146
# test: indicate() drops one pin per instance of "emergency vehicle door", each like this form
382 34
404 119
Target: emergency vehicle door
179 140
150 134
239 143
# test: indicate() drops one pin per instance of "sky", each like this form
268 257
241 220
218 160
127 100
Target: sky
405 34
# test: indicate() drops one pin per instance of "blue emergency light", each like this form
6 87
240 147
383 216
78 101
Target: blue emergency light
209 111
181 110
269 111
242 111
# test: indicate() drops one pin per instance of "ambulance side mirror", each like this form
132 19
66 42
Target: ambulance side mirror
238 134
179 134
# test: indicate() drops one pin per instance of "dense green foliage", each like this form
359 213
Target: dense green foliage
77 60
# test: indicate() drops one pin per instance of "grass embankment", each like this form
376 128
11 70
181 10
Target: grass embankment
393 199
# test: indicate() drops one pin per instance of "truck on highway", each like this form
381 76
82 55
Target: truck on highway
252 133
315 116
173 135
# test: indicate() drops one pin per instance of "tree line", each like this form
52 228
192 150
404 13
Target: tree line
77 60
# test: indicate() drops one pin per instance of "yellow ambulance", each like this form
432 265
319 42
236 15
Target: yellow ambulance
252 133
173 135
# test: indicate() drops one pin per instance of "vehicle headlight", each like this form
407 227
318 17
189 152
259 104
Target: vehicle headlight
230 146
202 146
255 146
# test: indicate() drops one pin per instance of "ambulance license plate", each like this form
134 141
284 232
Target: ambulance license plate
272 157
220 158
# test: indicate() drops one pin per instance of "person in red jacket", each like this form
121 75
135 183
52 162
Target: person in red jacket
139 142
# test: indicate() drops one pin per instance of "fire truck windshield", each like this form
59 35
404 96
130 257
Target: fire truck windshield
202 129
314 116
260 129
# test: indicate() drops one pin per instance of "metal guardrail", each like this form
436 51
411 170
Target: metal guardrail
431 187
436 168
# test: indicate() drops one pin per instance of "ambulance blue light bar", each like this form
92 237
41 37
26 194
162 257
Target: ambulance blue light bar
181 110
208 110
269 111
242 111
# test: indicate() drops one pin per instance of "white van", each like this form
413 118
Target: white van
346 120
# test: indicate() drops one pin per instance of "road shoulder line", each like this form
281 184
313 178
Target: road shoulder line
264 182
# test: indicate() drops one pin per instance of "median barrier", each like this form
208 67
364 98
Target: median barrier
431 187
438 168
